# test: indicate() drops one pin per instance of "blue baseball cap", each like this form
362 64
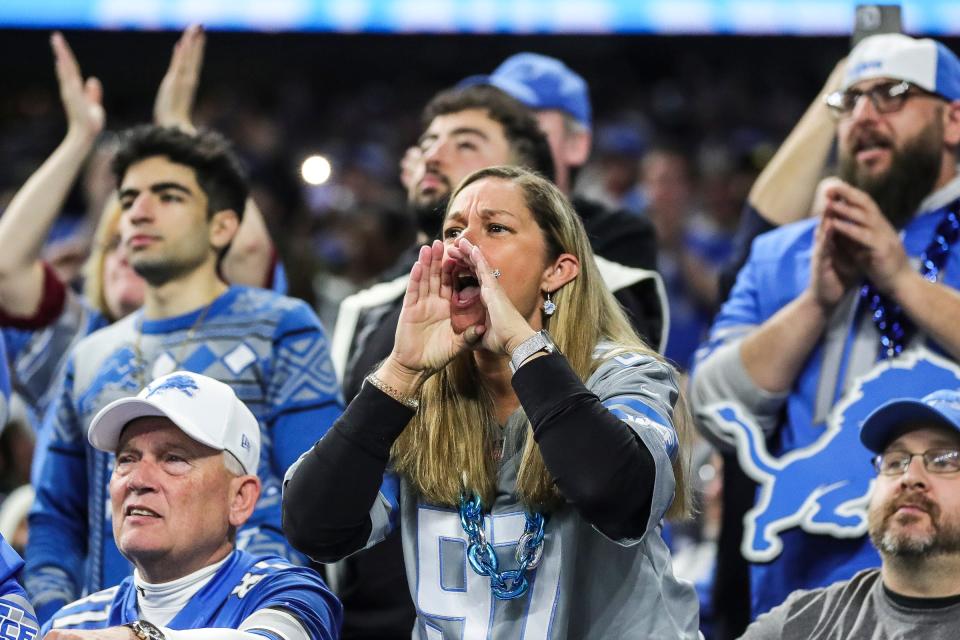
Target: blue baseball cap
925 63
540 82
887 421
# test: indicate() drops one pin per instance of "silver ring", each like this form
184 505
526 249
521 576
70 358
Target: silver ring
495 273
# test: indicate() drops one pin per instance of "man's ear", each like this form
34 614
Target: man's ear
244 493
561 271
576 148
223 227
951 125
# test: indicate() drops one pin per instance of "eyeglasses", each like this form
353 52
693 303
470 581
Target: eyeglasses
895 463
887 97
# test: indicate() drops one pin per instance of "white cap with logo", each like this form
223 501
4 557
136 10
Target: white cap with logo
205 409
924 62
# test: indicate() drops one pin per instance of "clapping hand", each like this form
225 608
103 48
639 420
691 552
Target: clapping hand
834 266
82 100
873 242
178 89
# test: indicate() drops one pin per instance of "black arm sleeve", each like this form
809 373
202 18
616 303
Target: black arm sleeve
326 503
599 464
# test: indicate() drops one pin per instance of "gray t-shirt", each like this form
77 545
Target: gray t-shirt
586 585
854 609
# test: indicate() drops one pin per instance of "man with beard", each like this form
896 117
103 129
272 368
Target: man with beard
181 198
820 302
914 521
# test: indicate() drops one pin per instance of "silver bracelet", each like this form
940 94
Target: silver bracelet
407 401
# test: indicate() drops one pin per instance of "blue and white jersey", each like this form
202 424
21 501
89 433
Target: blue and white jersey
17 620
807 528
271 349
586 584
38 357
243 586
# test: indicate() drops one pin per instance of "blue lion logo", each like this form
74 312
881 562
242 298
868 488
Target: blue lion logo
824 488
183 383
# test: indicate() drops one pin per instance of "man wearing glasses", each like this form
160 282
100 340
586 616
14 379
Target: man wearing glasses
822 302
914 523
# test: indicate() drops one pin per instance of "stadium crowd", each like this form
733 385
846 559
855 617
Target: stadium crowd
560 357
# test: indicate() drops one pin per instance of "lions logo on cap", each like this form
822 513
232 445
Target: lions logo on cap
182 383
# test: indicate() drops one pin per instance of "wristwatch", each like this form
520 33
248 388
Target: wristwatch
145 630
540 341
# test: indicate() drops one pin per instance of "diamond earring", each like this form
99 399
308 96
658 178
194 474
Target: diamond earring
548 306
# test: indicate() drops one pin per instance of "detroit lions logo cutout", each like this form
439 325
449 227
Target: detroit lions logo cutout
182 383
824 488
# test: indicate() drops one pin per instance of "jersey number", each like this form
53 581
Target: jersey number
456 594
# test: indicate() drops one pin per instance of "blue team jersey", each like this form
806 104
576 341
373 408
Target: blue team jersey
808 526
274 353
17 620
243 585
37 357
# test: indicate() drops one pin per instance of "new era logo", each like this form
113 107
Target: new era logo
244 441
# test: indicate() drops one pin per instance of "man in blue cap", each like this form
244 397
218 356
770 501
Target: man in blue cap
875 274
914 521
560 98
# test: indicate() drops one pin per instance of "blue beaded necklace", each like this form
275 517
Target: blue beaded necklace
892 323
505 585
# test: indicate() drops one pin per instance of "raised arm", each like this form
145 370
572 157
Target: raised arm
251 256
26 222
783 192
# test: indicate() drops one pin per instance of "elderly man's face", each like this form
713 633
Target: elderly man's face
917 513
173 500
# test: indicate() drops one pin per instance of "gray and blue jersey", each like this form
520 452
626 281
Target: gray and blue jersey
586 585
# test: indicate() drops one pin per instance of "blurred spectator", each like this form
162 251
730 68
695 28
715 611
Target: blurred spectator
613 177
692 246
693 544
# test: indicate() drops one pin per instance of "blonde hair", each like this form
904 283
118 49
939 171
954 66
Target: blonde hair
449 445
104 238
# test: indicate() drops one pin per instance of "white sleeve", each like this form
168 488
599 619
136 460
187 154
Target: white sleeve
277 623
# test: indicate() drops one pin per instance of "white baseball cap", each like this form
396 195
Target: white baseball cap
205 409
924 62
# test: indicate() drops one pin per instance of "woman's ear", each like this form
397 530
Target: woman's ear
564 269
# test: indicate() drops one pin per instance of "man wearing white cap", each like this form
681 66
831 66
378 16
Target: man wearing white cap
184 480
915 524
821 302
